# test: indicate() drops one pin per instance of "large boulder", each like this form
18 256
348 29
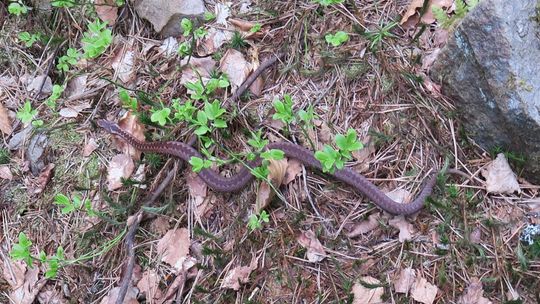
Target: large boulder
491 68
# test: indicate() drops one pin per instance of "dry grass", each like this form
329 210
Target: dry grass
411 130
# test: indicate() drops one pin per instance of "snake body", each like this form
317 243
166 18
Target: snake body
238 181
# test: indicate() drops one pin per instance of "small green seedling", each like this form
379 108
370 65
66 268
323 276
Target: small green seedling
328 2
331 158
76 203
29 39
128 101
57 91
21 250
53 262
68 60
26 114
187 26
183 112
198 163
17 8
378 36
254 29
160 116
255 221
184 49
348 143
63 3
96 40
200 33
337 39
208 16
284 109
237 41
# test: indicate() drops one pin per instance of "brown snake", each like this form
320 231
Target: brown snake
238 181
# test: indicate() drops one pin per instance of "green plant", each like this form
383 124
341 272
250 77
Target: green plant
68 206
256 220
328 2
57 91
200 33
184 49
21 250
66 61
377 37
17 8
208 16
29 39
160 116
460 11
4 156
331 158
254 29
284 109
63 3
237 41
128 101
187 26
53 262
26 114
96 40
198 163
337 39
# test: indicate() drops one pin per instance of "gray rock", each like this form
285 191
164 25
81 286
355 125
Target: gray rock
490 67
165 15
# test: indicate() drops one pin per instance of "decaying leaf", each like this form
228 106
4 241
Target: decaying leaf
130 124
5 122
405 280
73 109
5 172
13 272
365 295
27 292
238 275
214 40
235 66
294 168
89 147
130 298
50 295
499 176
276 173
315 250
411 10
120 166
174 247
123 64
473 294
406 229
198 190
149 285
198 68
106 11
160 225
400 195
223 11
424 292
365 226
169 46
427 18
43 179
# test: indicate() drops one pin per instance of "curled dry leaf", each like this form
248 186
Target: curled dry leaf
424 292
365 226
130 124
315 250
223 11
51 296
120 166
214 40
364 295
406 229
294 168
149 285
73 109
276 173
499 176
238 275
427 18
169 46
5 172
174 247
235 66
130 298
89 147
44 178
473 294
411 10
400 195
405 280
5 122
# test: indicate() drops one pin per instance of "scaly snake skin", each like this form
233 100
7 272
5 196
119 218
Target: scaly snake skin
238 181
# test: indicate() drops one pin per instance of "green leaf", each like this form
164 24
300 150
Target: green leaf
208 16
274 154
260 172
26 113
21 250
257 27
337 39
253 222
198 164
187 26
161 116
265 217
256 141
64 201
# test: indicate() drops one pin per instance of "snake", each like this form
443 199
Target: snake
239 180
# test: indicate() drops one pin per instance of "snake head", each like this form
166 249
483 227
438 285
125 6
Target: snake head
109 126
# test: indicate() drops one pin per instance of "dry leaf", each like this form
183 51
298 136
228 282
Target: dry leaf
499 176
198 68
400 195
238 275
106 10
160 225
68 113
276 173
5 122
424 292
124 65
174 247
43 81
223 12
405 280
120 166
169 46
76 87
198 190
44 178
90 147
130 124
428 17
476 236
406 229
27 292
51 296
5 172
411 10
149 285
294 168
235 66
13 272
315 250
130 298
364 295
214 40
473 294
243 25
365 226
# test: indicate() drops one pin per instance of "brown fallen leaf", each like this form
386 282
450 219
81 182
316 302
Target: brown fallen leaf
411 10
43 178
160 225
238 275
294 169
13 272
51 296
235 66
5 122
364 295
400 195
89 147
315 250
424 292
214 40
130 124
5 172
121 166
406 229
428 17
106 10
473 294
27 292
123 63
198 190
365 226
405 280
174 247
73 109
198 67
276 173
130 298
499 176
149 285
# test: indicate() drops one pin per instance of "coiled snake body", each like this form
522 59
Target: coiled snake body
238 181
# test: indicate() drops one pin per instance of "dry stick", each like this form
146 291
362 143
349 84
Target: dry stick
130 236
